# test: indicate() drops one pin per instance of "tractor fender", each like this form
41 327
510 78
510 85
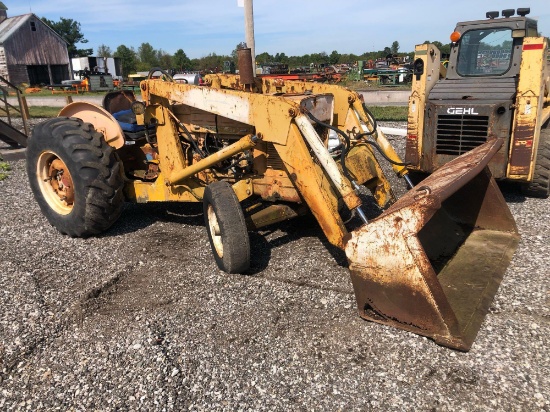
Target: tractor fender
101 119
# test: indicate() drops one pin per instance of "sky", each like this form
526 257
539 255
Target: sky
293 27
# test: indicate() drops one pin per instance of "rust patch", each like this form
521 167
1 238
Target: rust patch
522 150
61 180
432 262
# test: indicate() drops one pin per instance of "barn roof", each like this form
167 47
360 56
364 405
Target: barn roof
12 24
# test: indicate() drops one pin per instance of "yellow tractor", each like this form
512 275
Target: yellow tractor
496 85
430 263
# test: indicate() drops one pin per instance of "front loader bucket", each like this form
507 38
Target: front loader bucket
432 263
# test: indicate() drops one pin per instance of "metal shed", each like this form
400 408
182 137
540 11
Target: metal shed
30 51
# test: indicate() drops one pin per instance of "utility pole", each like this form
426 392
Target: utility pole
249 31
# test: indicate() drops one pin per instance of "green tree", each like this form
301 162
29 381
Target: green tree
395 47
70 31
241 45
148 57
181 61
128 59
443 48
164 59
104 51
263 58
280 58
334 57
349 58
211 63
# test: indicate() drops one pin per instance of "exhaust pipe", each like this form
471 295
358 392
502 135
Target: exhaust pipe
246 71
432 263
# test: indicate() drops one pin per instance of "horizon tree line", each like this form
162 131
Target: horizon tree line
146 56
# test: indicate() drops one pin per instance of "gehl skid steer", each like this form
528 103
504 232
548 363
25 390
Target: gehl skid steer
430 263
496 85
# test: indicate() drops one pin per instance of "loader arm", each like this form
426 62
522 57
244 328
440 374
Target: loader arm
275 121
349 116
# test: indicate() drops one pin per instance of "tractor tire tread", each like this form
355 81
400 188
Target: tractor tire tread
236 244
95 169
540 186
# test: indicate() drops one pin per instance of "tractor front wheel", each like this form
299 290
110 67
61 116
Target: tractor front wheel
75 176
226 228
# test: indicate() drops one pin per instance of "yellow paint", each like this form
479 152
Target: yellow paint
532 106
293 175
421 88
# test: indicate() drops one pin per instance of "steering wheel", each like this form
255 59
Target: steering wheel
167 76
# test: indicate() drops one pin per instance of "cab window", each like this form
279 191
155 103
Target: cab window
485 52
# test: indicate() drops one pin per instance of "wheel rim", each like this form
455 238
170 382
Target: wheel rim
215 232
55 182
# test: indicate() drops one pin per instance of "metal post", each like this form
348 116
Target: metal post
249 31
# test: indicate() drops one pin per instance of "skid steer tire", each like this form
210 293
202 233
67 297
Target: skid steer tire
226 228
75 176
540 186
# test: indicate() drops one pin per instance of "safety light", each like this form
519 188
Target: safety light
455 36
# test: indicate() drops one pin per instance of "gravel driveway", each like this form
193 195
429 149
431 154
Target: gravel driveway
141 319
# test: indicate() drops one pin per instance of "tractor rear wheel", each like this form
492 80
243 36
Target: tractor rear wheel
540 186
226 228
75 176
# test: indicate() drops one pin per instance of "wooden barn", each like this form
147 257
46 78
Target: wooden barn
30 51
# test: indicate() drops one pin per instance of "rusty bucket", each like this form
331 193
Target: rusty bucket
432 263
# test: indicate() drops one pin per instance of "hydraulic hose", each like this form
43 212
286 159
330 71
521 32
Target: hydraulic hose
373 120
188 136
344 149
377 147
348 142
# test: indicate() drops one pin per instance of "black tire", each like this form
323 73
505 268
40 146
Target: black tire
224 220
540 186
75 176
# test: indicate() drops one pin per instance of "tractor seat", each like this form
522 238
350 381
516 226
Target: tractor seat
119 104
127 121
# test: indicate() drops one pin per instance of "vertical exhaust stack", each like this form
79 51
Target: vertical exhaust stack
246 73
432 263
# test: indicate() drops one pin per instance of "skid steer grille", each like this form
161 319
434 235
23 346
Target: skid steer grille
457 134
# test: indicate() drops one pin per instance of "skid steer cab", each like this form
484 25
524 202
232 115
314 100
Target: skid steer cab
429 263
496 85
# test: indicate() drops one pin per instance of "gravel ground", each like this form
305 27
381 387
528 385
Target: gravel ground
141 319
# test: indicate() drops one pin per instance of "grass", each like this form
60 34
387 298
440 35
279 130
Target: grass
44 111
390 113
35 111
4 167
